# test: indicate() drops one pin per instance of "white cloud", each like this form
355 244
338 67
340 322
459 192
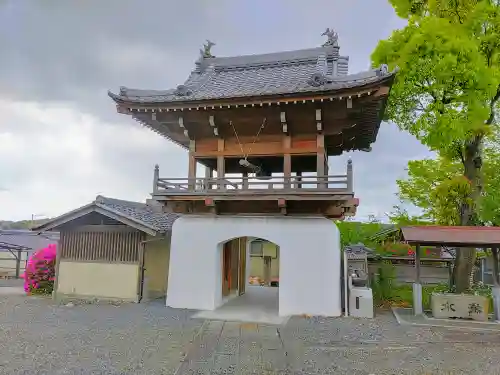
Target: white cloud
56 158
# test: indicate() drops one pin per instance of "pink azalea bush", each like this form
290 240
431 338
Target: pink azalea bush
40 271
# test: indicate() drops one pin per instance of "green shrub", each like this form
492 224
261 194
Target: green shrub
382 282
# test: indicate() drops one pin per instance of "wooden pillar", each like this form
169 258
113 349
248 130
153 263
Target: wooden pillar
244 183
417 264
320 160
221 165
192 166
192 171
417 286
18 264
287 162
242 243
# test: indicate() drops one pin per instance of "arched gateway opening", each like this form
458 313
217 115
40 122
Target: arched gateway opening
208 270
249 278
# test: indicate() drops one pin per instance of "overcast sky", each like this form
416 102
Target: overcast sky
61 140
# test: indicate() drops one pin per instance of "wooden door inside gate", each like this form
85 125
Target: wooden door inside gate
242 264
226 269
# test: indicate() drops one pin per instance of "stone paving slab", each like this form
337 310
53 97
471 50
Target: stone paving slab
348 346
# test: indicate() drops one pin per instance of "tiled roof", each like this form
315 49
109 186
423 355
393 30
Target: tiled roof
148 218
457 236
308 70
139 212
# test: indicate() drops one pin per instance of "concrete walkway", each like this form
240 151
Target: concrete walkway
258 305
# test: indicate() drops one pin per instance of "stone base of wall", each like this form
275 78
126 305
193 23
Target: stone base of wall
90 300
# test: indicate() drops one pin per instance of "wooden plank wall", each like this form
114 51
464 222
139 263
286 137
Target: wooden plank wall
267 145
110 247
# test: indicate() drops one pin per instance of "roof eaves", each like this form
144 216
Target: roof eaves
102 209
127 219
328 89
64 218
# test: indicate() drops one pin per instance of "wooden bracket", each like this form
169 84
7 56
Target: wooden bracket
319 125
211 121
349 103
284 124
192 145
123 110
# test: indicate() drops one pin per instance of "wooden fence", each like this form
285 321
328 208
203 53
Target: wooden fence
432 271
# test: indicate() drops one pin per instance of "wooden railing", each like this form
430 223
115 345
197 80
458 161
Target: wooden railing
236 185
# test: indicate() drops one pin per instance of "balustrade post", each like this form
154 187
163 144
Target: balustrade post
350 182
287 162
156 177
298 180
208 177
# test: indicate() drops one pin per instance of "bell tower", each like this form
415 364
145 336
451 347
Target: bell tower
263 128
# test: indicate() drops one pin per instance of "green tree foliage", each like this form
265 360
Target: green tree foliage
352 232
447 91
438 187
401 217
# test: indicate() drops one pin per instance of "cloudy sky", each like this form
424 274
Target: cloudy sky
61 140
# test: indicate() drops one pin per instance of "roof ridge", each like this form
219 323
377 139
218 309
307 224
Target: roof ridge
107 200
281 58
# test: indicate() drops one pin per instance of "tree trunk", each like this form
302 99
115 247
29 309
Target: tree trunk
466 257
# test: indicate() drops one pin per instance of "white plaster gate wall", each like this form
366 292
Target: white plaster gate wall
310 256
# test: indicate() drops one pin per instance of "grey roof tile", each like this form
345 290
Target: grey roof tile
161 222
256 75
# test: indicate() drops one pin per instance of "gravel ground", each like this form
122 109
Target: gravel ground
41 338
11 282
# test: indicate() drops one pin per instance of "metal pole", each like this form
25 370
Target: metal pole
417 286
